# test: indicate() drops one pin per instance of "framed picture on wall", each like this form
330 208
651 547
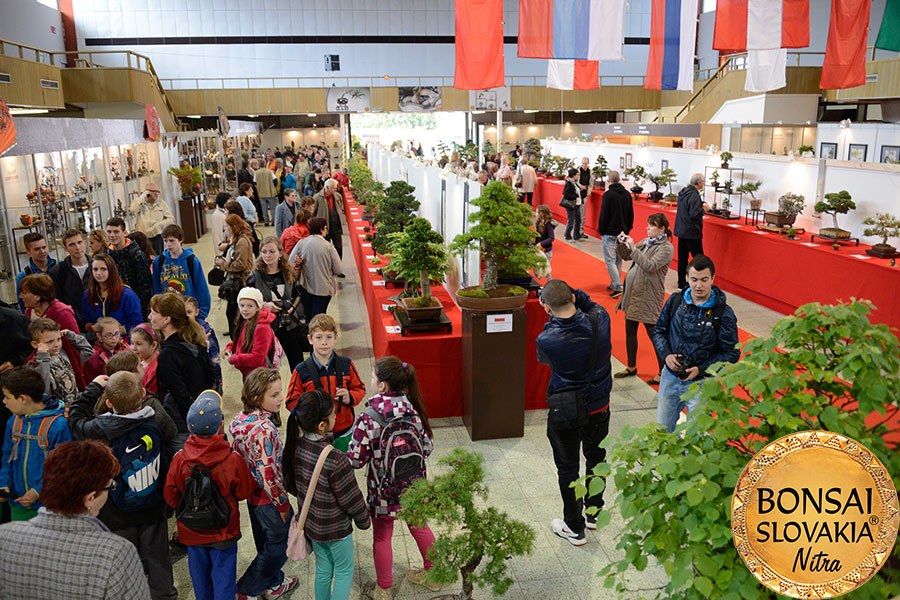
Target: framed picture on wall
627 160
663 164
857 152
828 150
890 154
621 162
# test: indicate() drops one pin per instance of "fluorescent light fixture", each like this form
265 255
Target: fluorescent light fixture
192 116
530 111
28 111
582 110
252 116
477 112
310 114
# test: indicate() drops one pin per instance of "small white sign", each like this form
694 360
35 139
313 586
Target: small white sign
362 235
392 328
387 306
379 282
363 228
370 257
811 244
761 232
499 323
861 256
373 269
733 225
366 245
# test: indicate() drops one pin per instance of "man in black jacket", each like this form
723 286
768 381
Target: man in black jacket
565 345
689 225
71 275
616 216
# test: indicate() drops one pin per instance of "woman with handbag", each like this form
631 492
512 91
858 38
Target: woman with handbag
274 277
317 473
237 264
571 200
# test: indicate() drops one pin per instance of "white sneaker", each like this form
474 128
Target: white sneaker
560 528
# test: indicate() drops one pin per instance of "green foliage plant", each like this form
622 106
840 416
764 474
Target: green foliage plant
883 225
488 150
561 166
666 177
749 187
502 231
637 174
601 168
824 367
188 179
726 157
791 204
394 211
836 203
533 147
418 254
477 535
792 233
804 149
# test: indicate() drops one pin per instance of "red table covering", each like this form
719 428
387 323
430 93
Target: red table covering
436 355
764 267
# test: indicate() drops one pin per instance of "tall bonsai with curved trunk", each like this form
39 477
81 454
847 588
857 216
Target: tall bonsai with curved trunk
502 230
418 253
836 203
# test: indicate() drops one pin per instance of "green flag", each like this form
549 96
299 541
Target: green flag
889 34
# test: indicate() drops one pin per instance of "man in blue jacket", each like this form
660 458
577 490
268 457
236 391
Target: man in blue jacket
178 270
689 225
695 329
39 260
565 345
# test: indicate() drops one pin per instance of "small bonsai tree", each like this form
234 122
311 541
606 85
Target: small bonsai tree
750 187
726 158
666 177
188 179
715 178
488 150
803 150
791 204
484 534
561 166
883 225
835 203
502 231
637 174
600 170
394 211
418 254
533 148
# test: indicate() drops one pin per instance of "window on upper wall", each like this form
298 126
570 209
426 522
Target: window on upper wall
54 4
708 6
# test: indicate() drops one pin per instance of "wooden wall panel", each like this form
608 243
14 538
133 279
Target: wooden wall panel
605 98
385 99
25 87
248 102
454 99
98 85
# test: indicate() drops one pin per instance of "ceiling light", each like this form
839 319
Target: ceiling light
28 111
567 123
477 112
529 111
582 110
310 114
192 116
252 116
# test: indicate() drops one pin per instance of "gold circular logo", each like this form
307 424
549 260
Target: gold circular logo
814 515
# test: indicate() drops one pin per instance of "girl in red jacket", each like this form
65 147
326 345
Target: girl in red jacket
145 343
255 340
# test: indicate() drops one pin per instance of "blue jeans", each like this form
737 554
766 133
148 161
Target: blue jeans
334 560
613 262
270 535
267 206
673 398
213 572
573 222
312 304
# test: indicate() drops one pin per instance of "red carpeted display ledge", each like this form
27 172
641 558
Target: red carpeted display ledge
765 268
437 355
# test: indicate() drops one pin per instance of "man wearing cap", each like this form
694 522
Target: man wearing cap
151 216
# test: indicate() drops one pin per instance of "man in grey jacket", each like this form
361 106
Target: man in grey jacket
321 264
285 212
689 225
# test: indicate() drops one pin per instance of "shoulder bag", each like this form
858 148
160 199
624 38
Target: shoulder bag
568 406
298 545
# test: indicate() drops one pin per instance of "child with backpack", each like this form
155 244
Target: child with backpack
336 500
193 313
145 344
135 509
326 370
37 426
256 439
393 438
206 481
109 342
254 345
178 270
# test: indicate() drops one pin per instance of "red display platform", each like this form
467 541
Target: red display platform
436 355
764 267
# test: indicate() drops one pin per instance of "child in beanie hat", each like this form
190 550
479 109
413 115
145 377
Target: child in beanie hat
254 340
211 552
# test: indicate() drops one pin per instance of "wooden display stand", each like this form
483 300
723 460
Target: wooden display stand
408 325
188 216
833 240
493 374
780 230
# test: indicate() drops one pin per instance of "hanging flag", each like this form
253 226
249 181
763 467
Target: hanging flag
479 45
572 29
673 36
766 70
7 128
573 74
889 34
753 25
845 52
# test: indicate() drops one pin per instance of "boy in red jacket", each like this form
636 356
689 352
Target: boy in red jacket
212 553
326 370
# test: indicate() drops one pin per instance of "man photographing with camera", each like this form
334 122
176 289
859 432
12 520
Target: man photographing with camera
151 216
696 328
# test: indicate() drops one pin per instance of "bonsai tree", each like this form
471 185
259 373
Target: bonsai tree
485 537
791 204
825 367
804 150
502 231
418 254
561 166
726 158
749 187
883 225
715 178
637 174
394 211
600 170
532 148
666 177
488 150
443 151
188 179
728 187
834 204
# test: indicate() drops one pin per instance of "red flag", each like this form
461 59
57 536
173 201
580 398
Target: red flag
845 53
535 29
7 128
479 45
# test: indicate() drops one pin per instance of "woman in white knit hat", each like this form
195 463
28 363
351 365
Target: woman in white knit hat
254 344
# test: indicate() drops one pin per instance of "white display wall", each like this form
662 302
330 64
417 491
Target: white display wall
444 200
873 135
874 187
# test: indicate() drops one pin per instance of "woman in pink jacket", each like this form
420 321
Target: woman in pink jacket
255 341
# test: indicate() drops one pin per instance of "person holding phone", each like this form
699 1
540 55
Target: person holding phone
152 215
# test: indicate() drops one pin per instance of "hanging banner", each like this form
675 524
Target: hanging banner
224 127
567 29
348 100
889 33
573 74
673 40
419 99
492 99
7 128
479 44
152 126
845 52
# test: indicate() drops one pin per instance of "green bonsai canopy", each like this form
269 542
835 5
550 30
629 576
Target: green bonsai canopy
726 157
418 254
188 179
836 203
749 187
394 212
883 225
600 170
666 177
791 204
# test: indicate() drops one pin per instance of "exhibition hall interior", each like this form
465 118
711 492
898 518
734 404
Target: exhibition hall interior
457 298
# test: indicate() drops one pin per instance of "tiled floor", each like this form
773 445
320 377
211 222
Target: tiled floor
521 474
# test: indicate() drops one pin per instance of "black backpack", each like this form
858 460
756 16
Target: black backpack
202 506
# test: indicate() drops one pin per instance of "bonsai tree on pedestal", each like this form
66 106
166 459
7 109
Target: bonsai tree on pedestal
483 534
726 158
561 166
637 174
749 187
806 151
533 148
789 206
834 204
884 225
502 231
393 213
189 179
666 177
418 255
488 150
600 171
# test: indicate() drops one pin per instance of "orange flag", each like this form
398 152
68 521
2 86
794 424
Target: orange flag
7 128
845 53
479 45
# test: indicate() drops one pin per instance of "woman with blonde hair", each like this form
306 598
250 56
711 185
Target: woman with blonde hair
237 264
98 242
504 173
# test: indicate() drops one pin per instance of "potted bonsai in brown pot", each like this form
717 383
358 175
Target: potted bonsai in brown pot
726 158
883 225
666 177
600 171
789 206
418 255
834 204
502 231
749 187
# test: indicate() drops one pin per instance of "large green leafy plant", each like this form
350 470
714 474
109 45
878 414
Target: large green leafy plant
824 367
189 179
418 254
477 536
394 211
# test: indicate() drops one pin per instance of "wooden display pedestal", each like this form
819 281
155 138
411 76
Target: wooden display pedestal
188 216
779 230
493 373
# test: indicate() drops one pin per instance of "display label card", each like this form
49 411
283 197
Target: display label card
379 282
362 228
362 235
366 245
387 307
861 256
761 232
811 244
369 256
392 328
733 225
499 323
373 269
